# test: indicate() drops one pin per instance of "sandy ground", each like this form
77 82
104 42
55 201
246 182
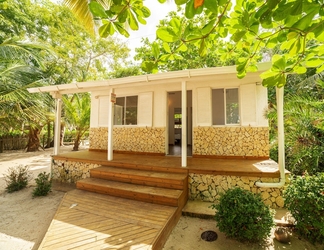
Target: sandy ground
24 220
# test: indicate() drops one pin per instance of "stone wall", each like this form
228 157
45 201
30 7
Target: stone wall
209 187
98 138
71 171
134 139
231 141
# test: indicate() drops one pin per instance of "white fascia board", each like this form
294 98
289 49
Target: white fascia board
183 75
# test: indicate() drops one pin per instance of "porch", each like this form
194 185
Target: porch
207 177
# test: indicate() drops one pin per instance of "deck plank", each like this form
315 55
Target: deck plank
197 165
87 220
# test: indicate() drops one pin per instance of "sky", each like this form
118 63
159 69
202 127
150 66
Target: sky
158 12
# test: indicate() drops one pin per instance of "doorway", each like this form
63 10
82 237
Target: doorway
175 123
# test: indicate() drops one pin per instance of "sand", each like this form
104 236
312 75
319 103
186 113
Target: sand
24 220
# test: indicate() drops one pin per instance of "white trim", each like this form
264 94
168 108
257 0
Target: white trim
150 79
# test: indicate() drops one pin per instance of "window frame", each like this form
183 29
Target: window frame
225 108
124 107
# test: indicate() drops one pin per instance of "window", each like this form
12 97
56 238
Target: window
225 106
126 110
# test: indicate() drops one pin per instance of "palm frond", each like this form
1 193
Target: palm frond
81 10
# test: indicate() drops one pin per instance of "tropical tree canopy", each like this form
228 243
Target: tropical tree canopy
296 26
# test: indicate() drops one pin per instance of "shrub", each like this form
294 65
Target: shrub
243 215
17 178
304 198
43 184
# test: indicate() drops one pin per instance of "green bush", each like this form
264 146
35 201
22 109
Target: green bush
17 178
243 215
304 198
43 184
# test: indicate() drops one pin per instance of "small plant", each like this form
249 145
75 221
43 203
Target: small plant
43 184
304 198
17 178
243 215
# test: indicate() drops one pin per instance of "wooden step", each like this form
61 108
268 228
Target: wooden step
157 195
142 177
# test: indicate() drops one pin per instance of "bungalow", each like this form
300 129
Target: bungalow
196 114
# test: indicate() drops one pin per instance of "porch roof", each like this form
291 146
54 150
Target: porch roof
142 80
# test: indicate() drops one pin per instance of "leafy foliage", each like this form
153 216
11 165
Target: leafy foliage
43 184
77 115
304 197
304 125
242 215
162 56
17 178
252 26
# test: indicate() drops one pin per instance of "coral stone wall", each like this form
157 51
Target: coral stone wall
209 187
231 141
71 171
98 138
142 139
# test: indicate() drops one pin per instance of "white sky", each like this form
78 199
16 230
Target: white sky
158 12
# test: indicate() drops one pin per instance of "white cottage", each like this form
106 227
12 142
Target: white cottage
224 115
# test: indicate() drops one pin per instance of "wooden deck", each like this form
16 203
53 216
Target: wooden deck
87 220
234 167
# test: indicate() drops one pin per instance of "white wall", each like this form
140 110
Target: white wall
253 101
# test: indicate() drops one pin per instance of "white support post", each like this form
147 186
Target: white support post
57 134
111 127
184 124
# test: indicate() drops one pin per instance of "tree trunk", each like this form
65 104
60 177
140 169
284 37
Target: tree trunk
33 139
48 143
76 143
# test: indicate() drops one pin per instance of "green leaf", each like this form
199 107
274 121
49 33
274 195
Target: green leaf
182 47
305 21
300 70
97 10
279 80
166 47
148 66
212 5
178 56
121 30
237 36
265 19
146 11
176 25
106 30
279 62
180 2
122 17
320 69
208 27
272 3
268 74
133 24
252 68
164 58
202 48
166 35
314 62
297 8
190 10
155 50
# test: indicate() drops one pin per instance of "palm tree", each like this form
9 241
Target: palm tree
77 115
81 10
20 69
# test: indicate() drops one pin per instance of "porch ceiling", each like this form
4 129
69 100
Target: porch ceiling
142 80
